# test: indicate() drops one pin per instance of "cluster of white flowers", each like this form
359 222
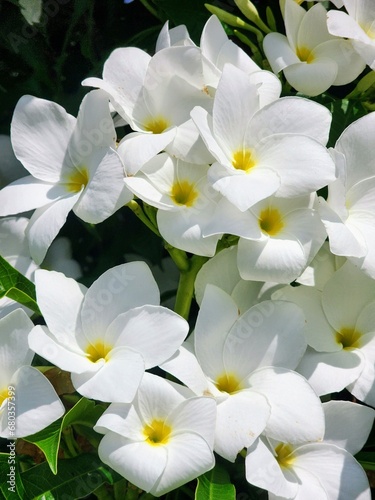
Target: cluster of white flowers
217 151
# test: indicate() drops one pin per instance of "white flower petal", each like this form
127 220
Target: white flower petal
268 334
66 356
138 462
338 472
105 192
153 331
331 372
137 148
14 348
116 291
240 420
263 470
189 456
40 134
343 310
28 193
123 365
217 314
339 417
312 79
289 395
279 52
293 115
37 404
59 299
45 224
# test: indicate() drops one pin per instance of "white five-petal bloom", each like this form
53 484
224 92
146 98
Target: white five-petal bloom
340 332
245 363
73 165
217 50
311 58
113 331
277 149
278 236
155 96
358 25
162 440
324 470
28 402
185 200
348 213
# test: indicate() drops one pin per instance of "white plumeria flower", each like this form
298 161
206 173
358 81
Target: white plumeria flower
217 50
186 202
325 470
278 237
25 393
112 331
261 151
348 213
73 166
310 57
358 25
155 96
222 271
161 441
10 168
245 363
340 330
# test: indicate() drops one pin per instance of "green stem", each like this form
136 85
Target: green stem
150 8
185 289
179 257
70 442
137 210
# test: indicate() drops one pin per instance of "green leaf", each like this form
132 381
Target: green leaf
78 477
85 412
15 286
31 10
366 459
215 485
8 489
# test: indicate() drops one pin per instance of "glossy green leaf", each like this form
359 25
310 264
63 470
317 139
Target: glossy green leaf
85 412
16 287
215 485
78 477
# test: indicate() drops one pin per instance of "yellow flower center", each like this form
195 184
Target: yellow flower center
305 55
349 338
284 455
77 179
243 160
3 395
157 433
98 351
228 382
156 125
270 221
184 193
